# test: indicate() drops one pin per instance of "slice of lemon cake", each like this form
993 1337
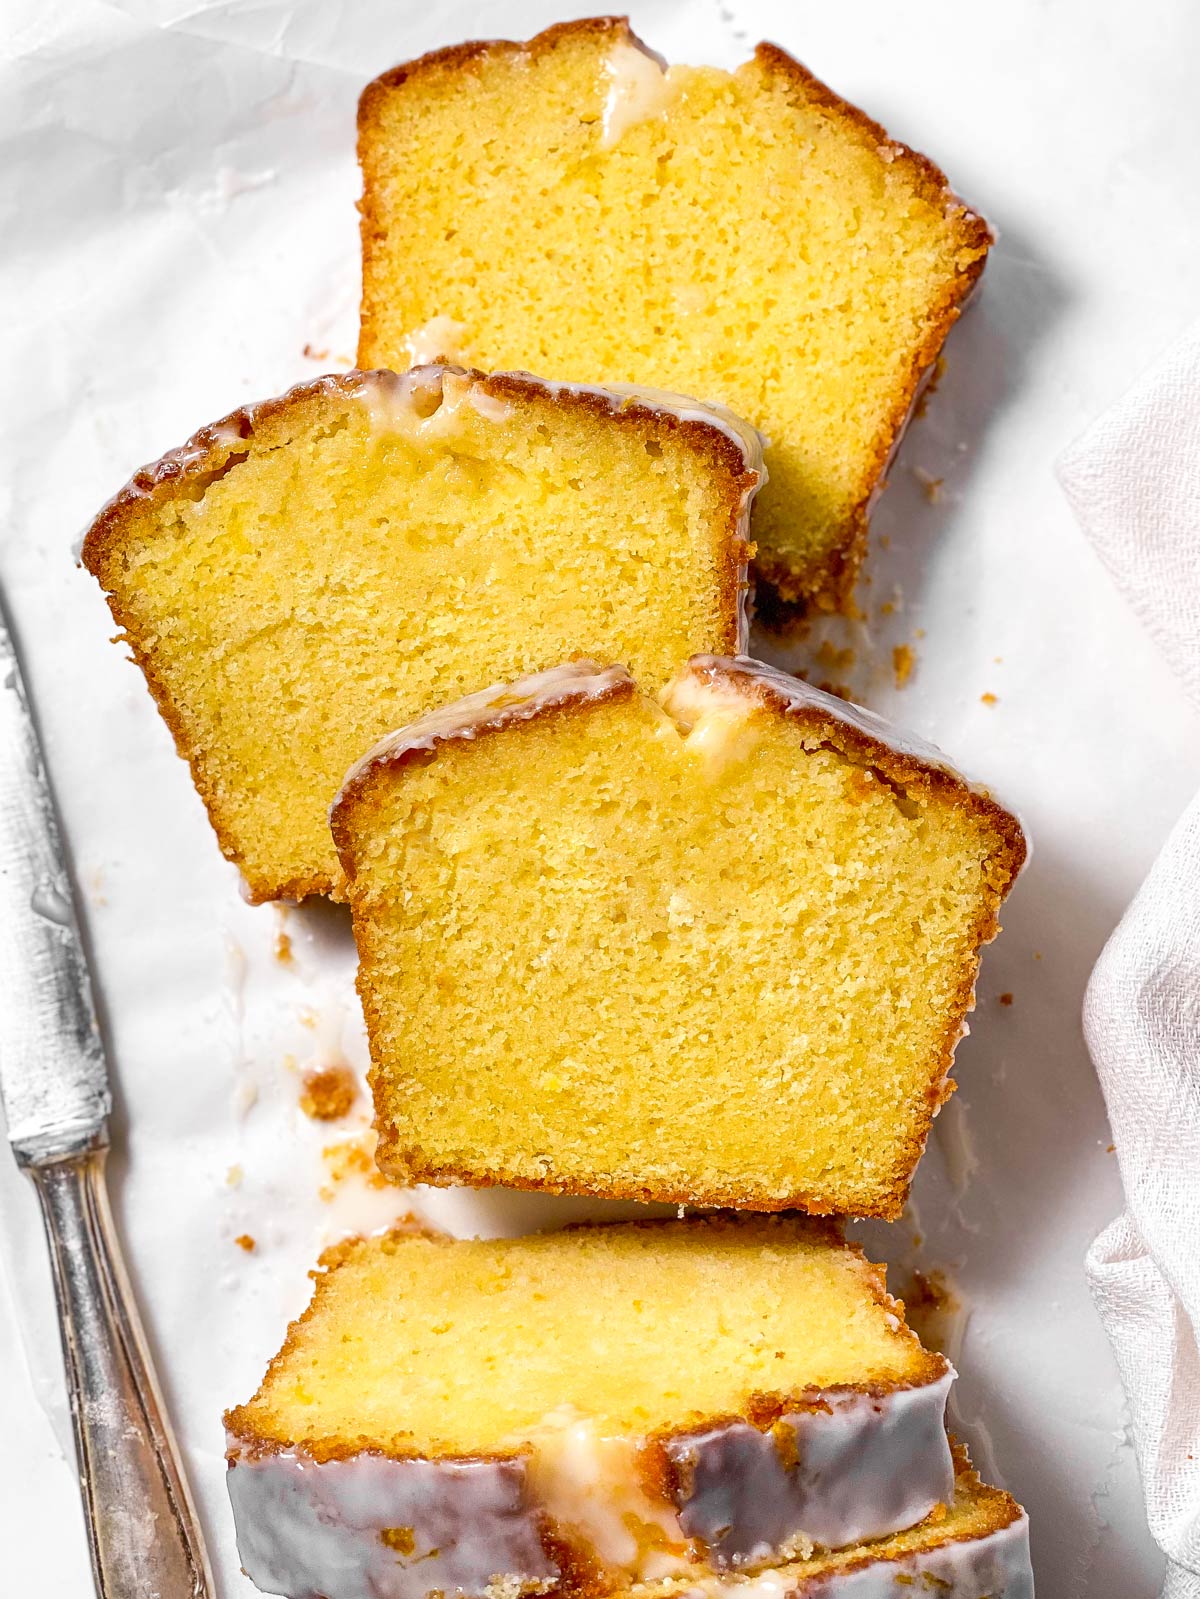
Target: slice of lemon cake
586 1409
573 205
712 950
975 1547
312 571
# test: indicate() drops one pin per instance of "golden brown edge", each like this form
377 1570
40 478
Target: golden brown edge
211 451
828 584
253 1441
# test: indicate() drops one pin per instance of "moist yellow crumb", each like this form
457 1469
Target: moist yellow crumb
903 661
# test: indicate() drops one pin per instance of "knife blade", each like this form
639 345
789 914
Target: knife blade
143 1535
53 1073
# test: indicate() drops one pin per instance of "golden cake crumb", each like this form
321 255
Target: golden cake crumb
233 1177
988 699
829 656
246 1242
931 486
903 661
329 1093
352 1157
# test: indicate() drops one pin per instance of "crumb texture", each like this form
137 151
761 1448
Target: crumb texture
744 237
723 960
638 1328
362 551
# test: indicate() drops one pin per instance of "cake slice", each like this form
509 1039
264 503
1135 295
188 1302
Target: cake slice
313 571
716 950
976 1547
573 205
585 1410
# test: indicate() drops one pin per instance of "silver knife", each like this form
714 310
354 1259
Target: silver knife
143 1533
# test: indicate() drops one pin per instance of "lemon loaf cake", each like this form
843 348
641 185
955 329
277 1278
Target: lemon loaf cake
611 1404
312 571
574 206
714 948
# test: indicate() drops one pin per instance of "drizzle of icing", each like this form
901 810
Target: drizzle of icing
423 404
439 339
592 1486
861 1467
306 1529
639 88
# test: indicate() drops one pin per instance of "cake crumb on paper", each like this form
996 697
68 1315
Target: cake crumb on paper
931 486
833 659
903 661
247 1242
1006 999
329 1093
988 699
233 1177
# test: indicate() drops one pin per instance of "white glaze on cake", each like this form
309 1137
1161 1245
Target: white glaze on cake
423 404
439 339
863 1466
593 1488
488 709
994 1566
639 88
317 1531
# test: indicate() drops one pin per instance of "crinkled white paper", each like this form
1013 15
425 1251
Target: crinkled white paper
177 227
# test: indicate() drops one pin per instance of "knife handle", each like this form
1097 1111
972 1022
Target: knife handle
142 1530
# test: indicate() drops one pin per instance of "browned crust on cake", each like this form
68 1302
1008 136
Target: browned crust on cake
254 1441
829 587
219 446
827 584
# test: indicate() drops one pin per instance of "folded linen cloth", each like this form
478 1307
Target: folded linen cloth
1133 481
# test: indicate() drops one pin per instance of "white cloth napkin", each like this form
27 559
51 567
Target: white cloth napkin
1134 483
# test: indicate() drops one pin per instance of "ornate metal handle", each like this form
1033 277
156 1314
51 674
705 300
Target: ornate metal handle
142 1529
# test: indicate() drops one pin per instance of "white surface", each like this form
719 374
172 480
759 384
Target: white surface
177 206
1134 481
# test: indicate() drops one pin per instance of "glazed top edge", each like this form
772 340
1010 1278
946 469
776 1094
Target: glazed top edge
771 57
491 708
210 447
744 676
